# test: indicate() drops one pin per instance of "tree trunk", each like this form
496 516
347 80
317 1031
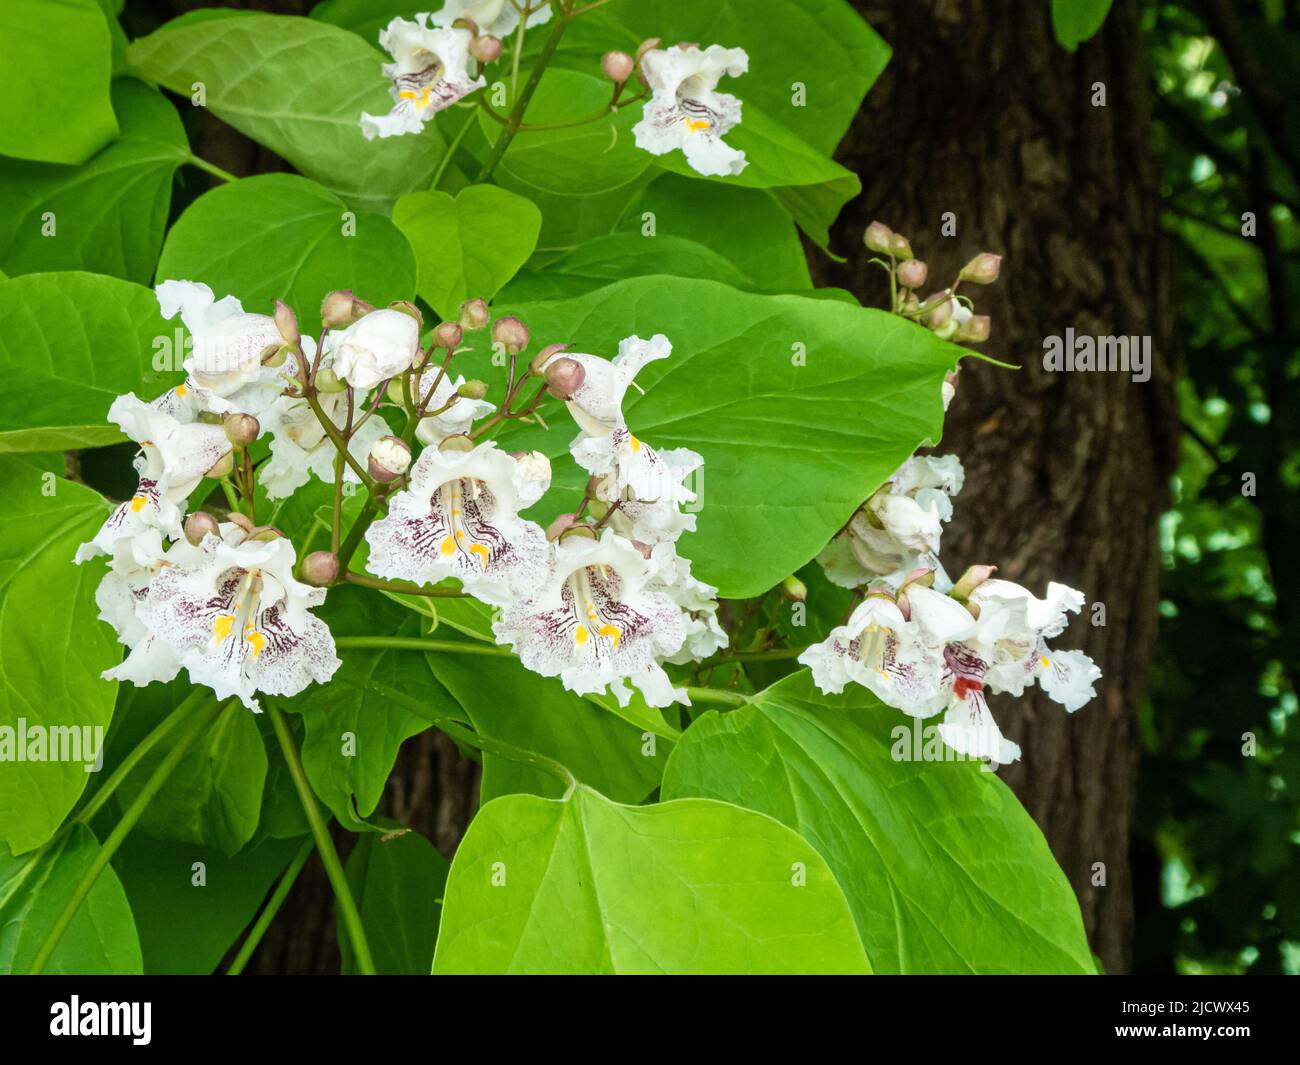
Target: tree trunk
980 113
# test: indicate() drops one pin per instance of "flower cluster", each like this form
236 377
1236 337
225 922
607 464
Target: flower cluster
600 599
920 643
433 54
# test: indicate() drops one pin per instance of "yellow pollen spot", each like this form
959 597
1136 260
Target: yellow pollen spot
612 631
482 552
591 611
448 546
636 444
182 391
222 625
255 638
1044 660
580 635
456 512
697 124
138 503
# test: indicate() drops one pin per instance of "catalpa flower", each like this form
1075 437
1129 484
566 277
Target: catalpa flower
229 348
231 613
460 518
496 17
429 72
656 517
685 111
597 403
173 458
600 621
374 348
456 419
632 470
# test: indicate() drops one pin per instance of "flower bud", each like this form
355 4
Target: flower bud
485 49
320 568
457 442
913 273
559 525
617 66
511 333
287 322
448 335
877 237
970 580
328 381
938 315
539 361
241 429
983 269
899 248
473 315
473 390
564 377
390 457
407 307
795 589
975 330
341 308
242 520
222 467
200 524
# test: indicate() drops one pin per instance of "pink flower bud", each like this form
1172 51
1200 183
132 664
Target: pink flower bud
241 429
510 333
564 377
648 45
390 457
617 66
473 314
975 330
242 520
913 273
878 236
539 361
970 580
448 335
341 308
287 322
940 314
983 269
320 568
899 248
200 524
485 49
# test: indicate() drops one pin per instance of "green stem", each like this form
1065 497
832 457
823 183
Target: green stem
123 828
419 643
358 530
211 168
402 587
324 845
445 161
339 442
525 97
187 706
271 908
716 697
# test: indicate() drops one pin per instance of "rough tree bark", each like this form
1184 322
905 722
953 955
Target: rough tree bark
982 114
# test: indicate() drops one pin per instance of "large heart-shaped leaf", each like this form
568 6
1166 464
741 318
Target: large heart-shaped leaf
748 377
53 649
281 236
35 888
466 245
69 344
106 216
298 86
584 885
944 870
54 100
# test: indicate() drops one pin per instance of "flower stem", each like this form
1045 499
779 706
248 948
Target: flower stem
120 831
210 168
324 845
272 907
402 587
419 643
445 161
716 696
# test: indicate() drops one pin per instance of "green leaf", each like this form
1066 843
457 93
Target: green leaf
214 797
69 344
397 882
53 649
54 101
297 86
281 236
944 870
773 490
466 245
585 885
188 917
109 214
35 889
1075 21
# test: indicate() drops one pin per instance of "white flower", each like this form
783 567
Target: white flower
685 111
435 428
599 621
597 405
228 347
697 600
231 613
499 18
429 73
173 458
460 518
300 446
381 345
